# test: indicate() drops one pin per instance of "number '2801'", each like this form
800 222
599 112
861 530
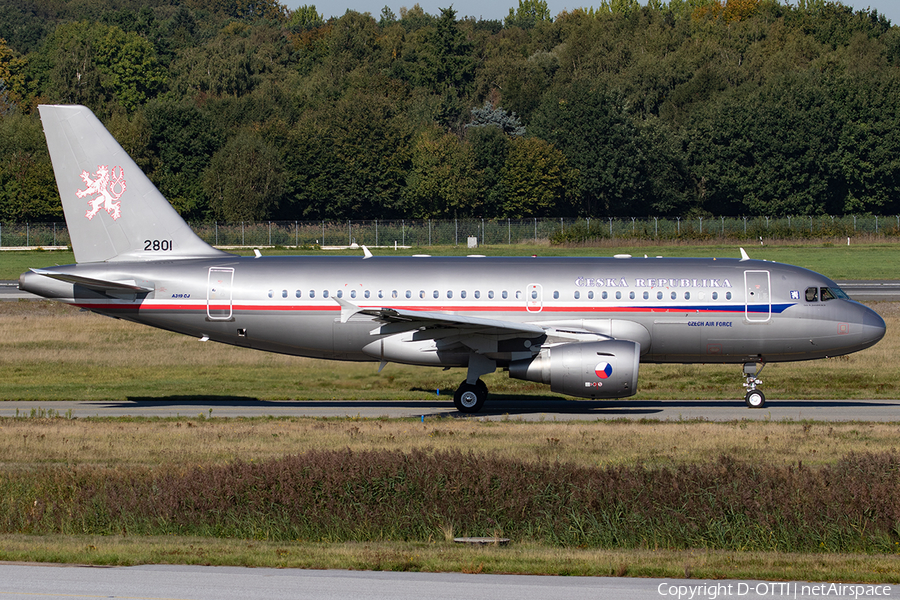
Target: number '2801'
158 245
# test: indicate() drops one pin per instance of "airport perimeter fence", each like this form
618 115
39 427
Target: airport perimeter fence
492 232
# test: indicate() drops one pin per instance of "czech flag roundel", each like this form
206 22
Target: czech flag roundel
603 370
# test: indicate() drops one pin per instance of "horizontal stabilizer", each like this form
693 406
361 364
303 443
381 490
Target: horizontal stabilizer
97 285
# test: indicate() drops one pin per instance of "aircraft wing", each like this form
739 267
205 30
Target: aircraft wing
397 320
98 285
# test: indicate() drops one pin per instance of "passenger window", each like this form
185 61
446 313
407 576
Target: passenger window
631 295
618 295
812 294
505 295
353 293
271 294
555 295
477 294
728 295
325 294
449 293
436 294
462 294
659 295
297 293
590 295
312 293
380 294
366 294
604 295
534 294
577 295
340 293
284 293
408 293
687 295
646 295
673 295
422 294
491 294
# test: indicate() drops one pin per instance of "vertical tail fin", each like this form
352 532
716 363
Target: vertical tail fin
113 211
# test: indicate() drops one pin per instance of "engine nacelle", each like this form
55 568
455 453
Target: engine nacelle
607 369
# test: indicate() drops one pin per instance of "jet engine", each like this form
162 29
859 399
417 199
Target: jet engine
607 369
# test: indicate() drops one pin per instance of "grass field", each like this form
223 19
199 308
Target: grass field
32 443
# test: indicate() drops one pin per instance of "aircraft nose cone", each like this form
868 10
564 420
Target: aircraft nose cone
873 325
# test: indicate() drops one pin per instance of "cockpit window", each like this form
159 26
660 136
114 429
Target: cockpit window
833 293
825 294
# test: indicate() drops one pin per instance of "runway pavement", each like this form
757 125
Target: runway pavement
168 582
542 408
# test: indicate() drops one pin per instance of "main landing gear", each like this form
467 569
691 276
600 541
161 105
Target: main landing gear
469 398
754 398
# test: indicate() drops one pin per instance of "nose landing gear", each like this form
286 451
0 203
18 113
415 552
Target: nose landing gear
754 398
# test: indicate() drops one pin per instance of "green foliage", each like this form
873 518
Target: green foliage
350 158
528 14
537 180
678 107
27 187
490 149
448 68
441 182
129 68
306 17
181 143
244 180
592 128
11 79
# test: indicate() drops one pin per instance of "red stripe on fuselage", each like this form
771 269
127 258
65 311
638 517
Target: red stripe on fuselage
181 307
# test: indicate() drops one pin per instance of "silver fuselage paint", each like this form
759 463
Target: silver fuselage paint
679 310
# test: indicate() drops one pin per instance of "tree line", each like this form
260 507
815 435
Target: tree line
246 110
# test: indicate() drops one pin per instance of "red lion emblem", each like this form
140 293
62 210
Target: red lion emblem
106 189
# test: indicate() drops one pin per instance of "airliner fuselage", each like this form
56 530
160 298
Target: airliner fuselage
678 310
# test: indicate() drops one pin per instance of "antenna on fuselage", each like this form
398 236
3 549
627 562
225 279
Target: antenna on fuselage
367 253
744 255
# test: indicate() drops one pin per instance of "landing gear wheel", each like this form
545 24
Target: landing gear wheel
755 399
470 398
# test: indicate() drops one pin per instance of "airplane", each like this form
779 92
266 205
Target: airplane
581 325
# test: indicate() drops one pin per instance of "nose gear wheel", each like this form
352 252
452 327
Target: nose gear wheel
754 397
